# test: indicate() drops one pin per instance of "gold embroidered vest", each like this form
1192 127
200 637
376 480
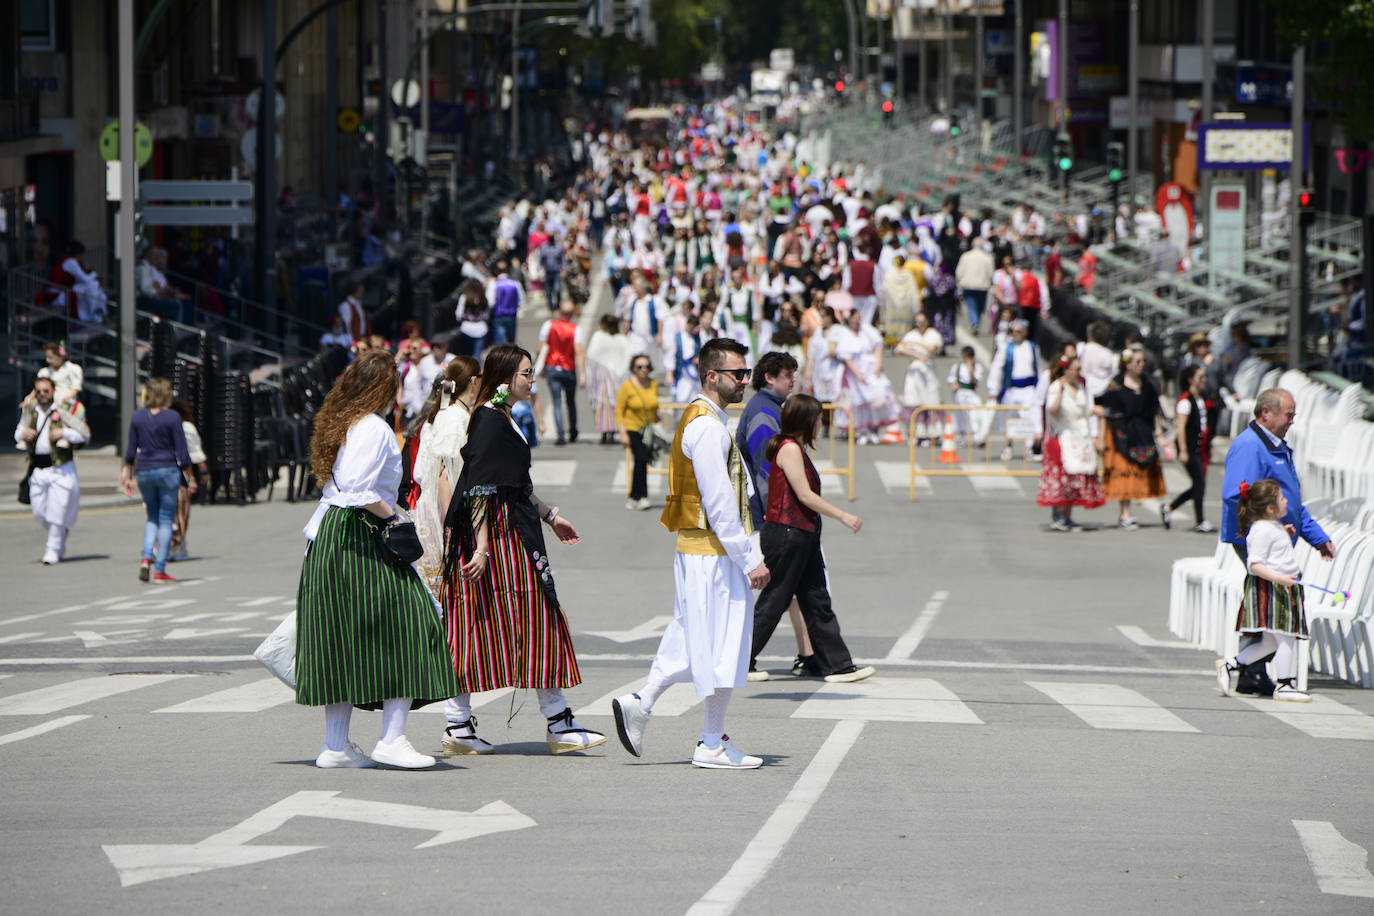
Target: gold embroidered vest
682 512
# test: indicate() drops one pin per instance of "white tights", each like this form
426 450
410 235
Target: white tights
713 729
338 715
1284 647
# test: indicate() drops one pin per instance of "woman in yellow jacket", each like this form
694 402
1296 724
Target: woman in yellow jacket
636 406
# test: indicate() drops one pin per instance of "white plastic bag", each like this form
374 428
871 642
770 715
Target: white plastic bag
278 651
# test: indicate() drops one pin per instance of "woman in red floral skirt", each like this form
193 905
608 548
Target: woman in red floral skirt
1068 475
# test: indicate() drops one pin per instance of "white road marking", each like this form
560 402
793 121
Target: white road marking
124 659
19 637
201 632
652 627
41 729
764 849
674 701
1321 718
255 602
137 864
1337 864
916 699
477 702
52 699
1112 706
985 485
150 604
907 643
62 610
833 484
658 483
896 477
552 473
1138 636
253 697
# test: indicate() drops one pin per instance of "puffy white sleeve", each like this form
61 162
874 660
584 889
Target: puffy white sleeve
362 464
706 442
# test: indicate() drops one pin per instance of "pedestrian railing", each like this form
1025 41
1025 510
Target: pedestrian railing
846 448
985 441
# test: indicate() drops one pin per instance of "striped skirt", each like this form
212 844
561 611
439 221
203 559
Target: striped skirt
1267 606
502 629
605 385
366 631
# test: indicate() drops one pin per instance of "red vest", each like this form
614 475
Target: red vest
562 336
783 506
1029 297
861 277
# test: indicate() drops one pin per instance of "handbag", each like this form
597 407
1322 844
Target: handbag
1076 453
278 651
655 441
399 542
24 498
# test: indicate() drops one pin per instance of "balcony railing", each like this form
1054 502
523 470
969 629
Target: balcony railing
19 116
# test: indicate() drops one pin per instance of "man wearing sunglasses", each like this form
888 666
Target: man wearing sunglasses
716 568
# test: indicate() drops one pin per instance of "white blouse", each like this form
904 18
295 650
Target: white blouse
367 470
1268 543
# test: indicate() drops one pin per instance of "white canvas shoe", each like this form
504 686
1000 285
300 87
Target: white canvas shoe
351 757
460 739
50 558
400 753
565 736
1288 692
724 756
630 719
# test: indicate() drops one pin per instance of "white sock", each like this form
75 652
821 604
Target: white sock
551 701
458 709
1286 658
649 696
714 729
1258 650
336 717
57 538
394 714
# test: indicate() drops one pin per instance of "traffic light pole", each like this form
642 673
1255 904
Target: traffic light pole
1297 261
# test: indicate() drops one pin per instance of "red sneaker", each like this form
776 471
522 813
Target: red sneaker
162 577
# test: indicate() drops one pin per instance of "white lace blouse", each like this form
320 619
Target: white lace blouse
366 470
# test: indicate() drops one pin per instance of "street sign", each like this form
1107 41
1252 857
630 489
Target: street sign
148 862
1226 227
197 203
143 143
192 215
1246 145
197 190
248 146
348 120
782 59
410 91
254 102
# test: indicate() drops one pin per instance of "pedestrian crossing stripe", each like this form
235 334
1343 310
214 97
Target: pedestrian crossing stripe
885 698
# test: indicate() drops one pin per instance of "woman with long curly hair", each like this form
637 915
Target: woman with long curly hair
367 634
505 625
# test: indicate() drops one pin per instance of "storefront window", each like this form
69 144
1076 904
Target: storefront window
38 25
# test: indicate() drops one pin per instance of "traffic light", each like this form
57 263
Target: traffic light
1116 154
887 112
1307 208
954 128
1063 154
839 87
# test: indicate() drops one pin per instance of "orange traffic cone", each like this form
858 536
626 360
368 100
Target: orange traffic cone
892 435
948 454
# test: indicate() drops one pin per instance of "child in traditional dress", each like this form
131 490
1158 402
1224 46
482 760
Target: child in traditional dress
1272 608
964 379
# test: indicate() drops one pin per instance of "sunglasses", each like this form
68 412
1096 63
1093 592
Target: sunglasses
645 366
740 375
528 373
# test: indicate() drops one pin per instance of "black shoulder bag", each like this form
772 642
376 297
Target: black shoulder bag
397 539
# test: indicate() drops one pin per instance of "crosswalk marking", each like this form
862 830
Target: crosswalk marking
1321 718
19 637
896 477
658 483
41 729
986 484
251 697
1112 706
896 700
552 473
477 702
52 699
674 702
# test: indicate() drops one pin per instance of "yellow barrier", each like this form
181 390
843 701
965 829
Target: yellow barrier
846 471
1014 429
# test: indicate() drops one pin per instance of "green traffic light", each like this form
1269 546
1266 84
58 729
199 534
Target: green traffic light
954 130
1114 175
1065 163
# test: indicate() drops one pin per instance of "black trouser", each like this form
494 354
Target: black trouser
795 568
1197 491
639 478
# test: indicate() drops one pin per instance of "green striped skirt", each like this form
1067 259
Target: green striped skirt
1269 606
366 631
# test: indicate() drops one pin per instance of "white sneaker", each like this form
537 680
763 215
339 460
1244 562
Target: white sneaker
351 757
565 735
1228 675
755 676
460 740
1288 692
50 558
632 505
642 504
630 719
851 674
1006 454
400 753
724 756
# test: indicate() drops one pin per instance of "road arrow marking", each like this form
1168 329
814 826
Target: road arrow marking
142 863
1337 863
647 630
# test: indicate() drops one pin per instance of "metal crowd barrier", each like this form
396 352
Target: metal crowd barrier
978 460
846 471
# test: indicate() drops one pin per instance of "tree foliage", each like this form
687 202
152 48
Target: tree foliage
1338 35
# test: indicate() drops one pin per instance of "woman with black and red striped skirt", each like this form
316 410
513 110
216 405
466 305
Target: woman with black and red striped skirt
367 635
505 625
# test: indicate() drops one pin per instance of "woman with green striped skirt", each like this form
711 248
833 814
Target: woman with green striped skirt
367 631
505 625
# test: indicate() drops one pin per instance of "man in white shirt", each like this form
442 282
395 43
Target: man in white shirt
434 362
413 392
49 433
646 314
1013 378
355 320
716 568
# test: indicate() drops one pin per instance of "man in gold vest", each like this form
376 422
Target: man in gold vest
49 432
716 568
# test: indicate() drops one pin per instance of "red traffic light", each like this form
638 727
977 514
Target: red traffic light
839 85
887 106
1305 199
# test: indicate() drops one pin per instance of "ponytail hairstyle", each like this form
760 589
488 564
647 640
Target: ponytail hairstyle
1258 501
798 422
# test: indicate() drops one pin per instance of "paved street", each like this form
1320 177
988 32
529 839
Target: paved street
1018 751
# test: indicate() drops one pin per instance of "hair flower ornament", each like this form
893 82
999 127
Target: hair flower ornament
1244 490
501 396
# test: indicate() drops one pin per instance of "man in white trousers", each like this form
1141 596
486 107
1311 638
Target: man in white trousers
49 432
716 569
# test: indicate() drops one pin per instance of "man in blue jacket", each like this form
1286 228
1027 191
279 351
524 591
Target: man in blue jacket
1260 452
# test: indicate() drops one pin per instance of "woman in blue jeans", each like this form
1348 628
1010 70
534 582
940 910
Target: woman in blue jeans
157 457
